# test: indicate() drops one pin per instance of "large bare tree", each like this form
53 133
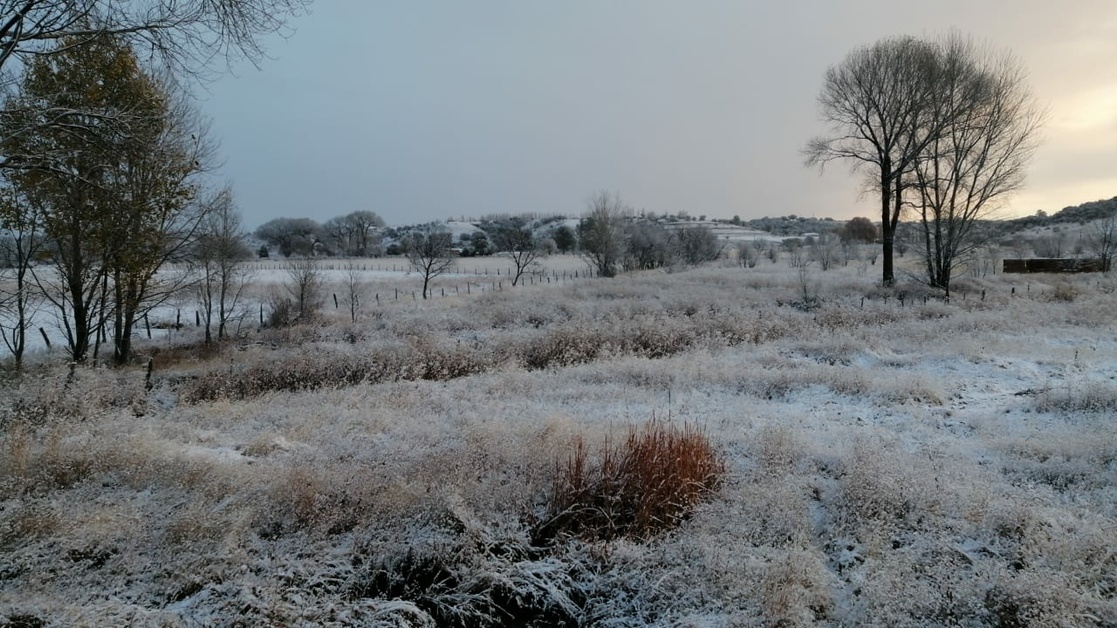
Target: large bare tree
988 126
875 102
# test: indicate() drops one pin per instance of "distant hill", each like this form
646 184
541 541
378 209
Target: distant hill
1080 214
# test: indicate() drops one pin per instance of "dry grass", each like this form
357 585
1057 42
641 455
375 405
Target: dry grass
875 463
646 484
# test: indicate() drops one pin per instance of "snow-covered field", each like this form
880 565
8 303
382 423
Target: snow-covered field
382 281
891 462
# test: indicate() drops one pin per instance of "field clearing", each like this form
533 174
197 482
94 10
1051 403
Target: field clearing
380 282
892 460
481 266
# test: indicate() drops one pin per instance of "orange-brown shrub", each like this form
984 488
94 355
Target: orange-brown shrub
649 482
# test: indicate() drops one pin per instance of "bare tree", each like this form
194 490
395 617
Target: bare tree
430 252
875 101
182 35
304 289
747 254
989 125
602 233
219 255
794 248
826 250
354 286
1102 240
21 242
522 247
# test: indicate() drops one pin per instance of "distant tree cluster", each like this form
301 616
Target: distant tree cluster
859 229
357 234
612 239
791 225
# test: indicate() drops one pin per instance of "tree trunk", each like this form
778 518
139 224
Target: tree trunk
79 342
886 233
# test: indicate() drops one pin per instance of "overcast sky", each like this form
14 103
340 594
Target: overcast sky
430 109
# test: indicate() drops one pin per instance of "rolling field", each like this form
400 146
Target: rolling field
882 458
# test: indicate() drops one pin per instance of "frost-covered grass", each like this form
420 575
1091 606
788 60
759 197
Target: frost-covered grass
927 463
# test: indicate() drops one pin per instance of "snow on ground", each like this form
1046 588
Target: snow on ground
889 464
376 277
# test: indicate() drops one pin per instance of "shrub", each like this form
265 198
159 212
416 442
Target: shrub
446 588
565 346
282 312
648 483
1078 396
1064 292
